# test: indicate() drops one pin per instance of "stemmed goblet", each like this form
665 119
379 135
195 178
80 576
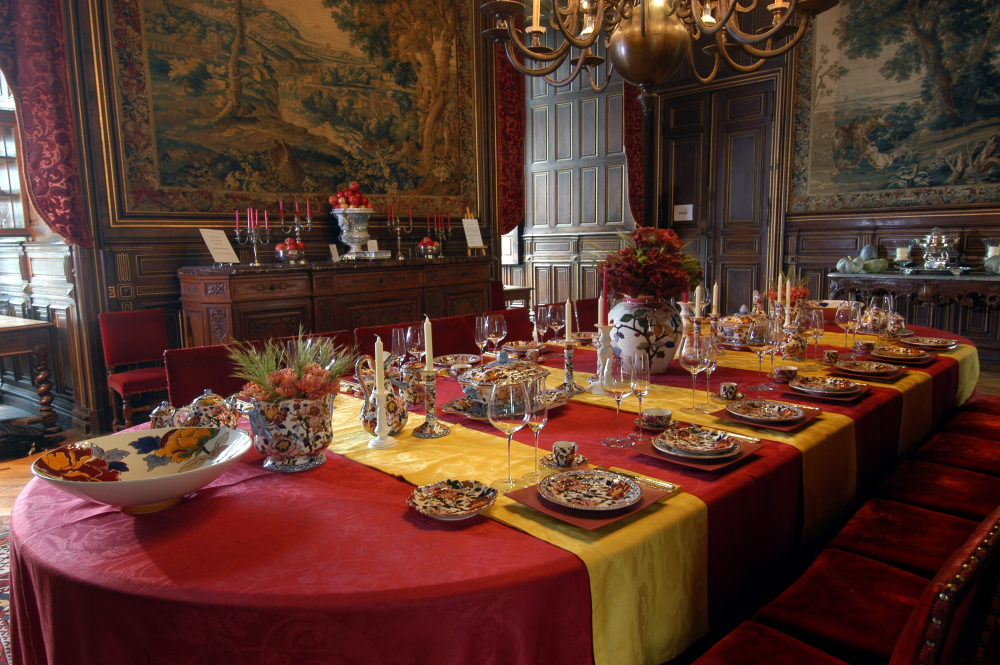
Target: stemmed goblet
399 346
848 317
496 329
415 341
760 341
509 410
482 337
616 379
813 330
542 321
538 416
557 319
692 356
711 364
640 385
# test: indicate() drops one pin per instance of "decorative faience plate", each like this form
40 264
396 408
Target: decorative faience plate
587 489
765 411
866 367
930 342
697 441
522 347
464 406
457 358
549 462
825 385
901 352
451 500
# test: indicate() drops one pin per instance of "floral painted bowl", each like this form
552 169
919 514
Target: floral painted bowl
143 471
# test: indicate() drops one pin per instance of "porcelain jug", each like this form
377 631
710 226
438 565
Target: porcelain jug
395 407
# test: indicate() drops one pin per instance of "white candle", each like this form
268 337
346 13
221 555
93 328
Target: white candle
536 14
781 286
697 301
903 253
992 251
788 293
715 299
569 321
534 334
600 310
428 344
379 367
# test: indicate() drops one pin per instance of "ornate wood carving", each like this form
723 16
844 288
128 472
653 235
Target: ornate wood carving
193 288
216 289
219 320
925 291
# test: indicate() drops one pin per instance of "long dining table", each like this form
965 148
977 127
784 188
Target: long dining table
332 566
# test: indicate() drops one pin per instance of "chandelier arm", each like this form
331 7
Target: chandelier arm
743 38
582 43
607 78
747 10
711 30
757 53
694 68
541 71
531 55
743 69
572 75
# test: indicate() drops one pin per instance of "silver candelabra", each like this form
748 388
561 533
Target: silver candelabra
297 227
395 225
253 236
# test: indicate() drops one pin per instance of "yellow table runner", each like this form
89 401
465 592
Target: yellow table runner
827 444
648 572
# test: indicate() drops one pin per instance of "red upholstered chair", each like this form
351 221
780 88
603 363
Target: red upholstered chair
133 338
519 325
859 610
944 489
455 334
585 313
191 371
364 338
497 298
980 424
964 452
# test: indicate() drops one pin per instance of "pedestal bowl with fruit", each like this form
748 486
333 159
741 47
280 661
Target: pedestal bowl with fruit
291 252
429 248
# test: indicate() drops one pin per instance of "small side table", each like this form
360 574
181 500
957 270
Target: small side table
512 293
23 336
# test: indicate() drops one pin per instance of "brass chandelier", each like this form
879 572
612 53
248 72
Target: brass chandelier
646 40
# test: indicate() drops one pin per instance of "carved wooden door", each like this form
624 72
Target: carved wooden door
717 155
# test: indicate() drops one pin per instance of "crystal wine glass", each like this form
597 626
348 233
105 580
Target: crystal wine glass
812 330
542 321
415 341
482 337
538 416
854 324
692 357
509 411
760 341
616 379
640 385
557 319
847 316
711 364
496 329
399 345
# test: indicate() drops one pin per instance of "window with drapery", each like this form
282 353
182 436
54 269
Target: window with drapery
13 206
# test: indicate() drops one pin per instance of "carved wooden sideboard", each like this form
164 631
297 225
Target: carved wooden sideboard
967 304
242 303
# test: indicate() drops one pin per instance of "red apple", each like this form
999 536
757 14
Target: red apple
355 187
364 200
333 199
300 245
355 201
280 247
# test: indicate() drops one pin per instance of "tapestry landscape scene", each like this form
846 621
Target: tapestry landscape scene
252 97
898 104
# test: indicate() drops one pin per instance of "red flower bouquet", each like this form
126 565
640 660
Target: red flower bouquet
309 369
800 290
652 265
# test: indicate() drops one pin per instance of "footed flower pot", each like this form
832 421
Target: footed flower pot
292 433
645 324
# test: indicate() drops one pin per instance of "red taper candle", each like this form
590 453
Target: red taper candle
237 219
281 209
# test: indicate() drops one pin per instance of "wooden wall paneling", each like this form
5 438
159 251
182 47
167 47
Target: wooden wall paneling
277 317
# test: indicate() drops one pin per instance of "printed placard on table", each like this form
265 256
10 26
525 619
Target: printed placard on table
473 238
373 245
334 253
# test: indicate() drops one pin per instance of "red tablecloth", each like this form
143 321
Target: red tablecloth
331 566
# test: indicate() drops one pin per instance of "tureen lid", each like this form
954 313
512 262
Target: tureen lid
505 370
207 399
937 236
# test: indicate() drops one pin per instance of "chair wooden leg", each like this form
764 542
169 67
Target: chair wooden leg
127 410
116 423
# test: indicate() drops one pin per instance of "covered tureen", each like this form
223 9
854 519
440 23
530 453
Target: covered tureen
478 382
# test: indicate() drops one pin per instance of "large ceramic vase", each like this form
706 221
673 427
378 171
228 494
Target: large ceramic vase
293 433
645 325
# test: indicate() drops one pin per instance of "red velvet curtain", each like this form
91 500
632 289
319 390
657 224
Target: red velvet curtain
34 62
510 143
633 153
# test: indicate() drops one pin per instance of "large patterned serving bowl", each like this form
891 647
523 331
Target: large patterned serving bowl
143 471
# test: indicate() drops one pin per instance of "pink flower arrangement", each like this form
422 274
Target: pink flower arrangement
305 369
798 293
